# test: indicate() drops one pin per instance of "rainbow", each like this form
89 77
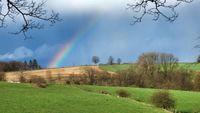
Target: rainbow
71 43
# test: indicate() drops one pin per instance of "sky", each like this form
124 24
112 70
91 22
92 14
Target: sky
102 28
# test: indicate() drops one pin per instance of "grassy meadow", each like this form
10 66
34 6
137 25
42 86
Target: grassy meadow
187 101
116 67
23 98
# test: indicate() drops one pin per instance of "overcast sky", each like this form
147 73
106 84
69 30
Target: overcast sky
110 35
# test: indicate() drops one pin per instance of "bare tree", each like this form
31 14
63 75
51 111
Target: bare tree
90 73
155 8
154 65
151 62
31 12
147 62
168 63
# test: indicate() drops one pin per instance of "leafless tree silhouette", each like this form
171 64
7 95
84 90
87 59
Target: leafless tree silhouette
155 8
31 12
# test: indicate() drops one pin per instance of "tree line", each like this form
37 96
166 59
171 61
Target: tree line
152 70
111 60
18 66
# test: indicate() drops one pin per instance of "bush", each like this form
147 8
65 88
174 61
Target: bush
22 79
103 78
39 82
163 99
67 82
123 93
2 76
76 79
182 79
126 77
104 92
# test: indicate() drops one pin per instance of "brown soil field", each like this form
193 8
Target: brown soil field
45 73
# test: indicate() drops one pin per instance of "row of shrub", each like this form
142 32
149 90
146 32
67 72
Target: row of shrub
36 81
178 79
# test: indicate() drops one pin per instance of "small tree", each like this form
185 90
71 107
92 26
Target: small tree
35 64
90 73
25 65
119 61
163 99
197 83
95 59
38 82
198 59
110 60
30 65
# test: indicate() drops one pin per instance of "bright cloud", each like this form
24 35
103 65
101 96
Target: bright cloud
18 53
43 51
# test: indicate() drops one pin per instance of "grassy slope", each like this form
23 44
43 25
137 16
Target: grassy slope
192 66
115 68
23 98
187 101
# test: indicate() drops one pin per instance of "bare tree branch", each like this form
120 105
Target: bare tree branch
155 8
30 11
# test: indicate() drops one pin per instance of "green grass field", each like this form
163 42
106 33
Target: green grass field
23 98
187 101
191 66
115 68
